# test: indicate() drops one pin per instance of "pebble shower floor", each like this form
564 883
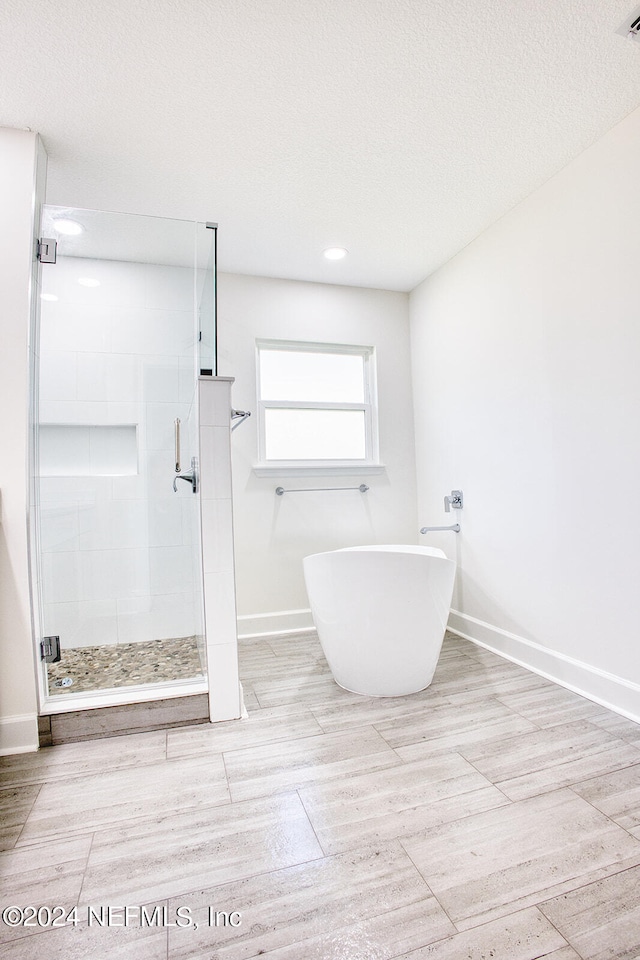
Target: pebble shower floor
124 664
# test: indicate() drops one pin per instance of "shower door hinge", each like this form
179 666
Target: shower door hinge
50 649
47 250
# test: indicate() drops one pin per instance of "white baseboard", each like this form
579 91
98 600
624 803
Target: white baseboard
614 693
255 625
18 734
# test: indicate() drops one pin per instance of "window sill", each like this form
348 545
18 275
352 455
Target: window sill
310 470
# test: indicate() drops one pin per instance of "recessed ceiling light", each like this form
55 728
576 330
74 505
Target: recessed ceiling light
70 228
335 253
48 296
88 282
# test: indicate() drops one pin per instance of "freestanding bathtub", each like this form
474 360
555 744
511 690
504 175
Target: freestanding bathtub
381 613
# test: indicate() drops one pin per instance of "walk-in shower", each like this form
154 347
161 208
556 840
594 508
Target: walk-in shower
125 325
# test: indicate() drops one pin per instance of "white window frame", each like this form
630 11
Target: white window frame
371 461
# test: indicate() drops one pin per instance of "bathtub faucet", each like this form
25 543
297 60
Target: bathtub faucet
454 526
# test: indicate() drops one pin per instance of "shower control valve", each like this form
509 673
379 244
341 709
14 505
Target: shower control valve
191 478
453 500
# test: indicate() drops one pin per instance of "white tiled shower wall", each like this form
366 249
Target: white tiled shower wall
119 553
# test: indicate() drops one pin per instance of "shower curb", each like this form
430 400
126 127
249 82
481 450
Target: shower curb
122 720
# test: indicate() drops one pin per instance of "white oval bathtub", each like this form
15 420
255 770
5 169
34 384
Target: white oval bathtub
381 613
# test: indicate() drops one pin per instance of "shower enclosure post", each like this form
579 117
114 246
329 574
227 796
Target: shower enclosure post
220 617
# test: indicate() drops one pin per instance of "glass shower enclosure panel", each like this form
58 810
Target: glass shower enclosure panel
117 528
207 299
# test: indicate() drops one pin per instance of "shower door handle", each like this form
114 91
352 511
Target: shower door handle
177 444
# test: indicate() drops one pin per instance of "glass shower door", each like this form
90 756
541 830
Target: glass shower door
119 547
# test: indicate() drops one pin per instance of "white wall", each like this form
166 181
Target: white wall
273 534
118 551
19 155
526 372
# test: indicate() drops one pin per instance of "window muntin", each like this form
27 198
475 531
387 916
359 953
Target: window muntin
316 404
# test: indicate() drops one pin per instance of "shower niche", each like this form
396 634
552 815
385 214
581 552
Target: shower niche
88 450
125 322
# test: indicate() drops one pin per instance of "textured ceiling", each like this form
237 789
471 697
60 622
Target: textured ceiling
399 129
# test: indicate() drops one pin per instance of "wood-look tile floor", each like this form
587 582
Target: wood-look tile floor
494 815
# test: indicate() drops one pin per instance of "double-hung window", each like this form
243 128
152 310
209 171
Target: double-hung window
316 406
